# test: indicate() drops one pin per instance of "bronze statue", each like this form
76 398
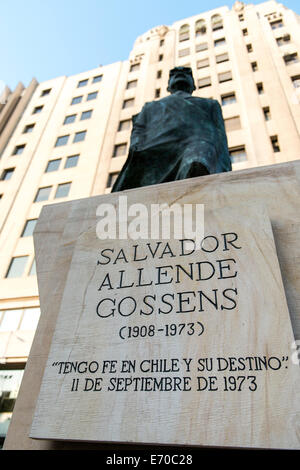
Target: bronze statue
174 138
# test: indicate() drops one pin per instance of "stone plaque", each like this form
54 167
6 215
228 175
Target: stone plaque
159 342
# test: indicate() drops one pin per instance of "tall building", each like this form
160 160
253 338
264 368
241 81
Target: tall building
68 138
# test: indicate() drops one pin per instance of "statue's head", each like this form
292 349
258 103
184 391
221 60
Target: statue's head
181 78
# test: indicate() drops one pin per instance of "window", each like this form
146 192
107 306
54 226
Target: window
275 144
245 32
283 40
10 383
23 319
267 114
46 92
7 174
43 194
17 266
97 79
238 154
203 63
28 128
291 58
11 320
29 228
222 58
128 103
86 115
260 88
134 67
184 33
79 136
200 27
131 84
112 177
92 96
19 149
82 83
124 125
225 76
160 57
62 140
53 165
184 52
201 47
30 318
157 93
161 42
216 22
37 109
76 100
296 81
62 190
219 42
69 119
229 98
241 17
204 82
159 73
119 150
72 161
249 48
254 66
276 24
232 124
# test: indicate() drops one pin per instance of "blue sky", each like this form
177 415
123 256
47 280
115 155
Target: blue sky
49 38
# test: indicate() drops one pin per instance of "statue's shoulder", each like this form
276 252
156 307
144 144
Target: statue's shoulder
149 105
208 101
157 103
143 112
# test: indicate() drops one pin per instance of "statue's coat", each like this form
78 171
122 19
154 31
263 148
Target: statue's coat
174 138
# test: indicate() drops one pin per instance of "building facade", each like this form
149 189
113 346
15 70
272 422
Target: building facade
68 138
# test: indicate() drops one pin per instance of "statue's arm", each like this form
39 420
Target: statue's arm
221 140
139 122
218 120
